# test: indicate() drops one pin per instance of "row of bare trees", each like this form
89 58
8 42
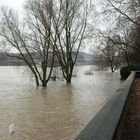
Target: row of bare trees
119 43
56 29
49 30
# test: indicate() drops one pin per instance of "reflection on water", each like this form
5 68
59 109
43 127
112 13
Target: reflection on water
59 112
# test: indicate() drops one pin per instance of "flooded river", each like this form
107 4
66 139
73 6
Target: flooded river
59 112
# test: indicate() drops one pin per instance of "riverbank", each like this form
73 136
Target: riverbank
131 129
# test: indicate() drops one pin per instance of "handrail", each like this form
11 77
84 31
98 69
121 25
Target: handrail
104 124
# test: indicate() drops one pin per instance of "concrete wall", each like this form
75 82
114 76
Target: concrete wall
104 124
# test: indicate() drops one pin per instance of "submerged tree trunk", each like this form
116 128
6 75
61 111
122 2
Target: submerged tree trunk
69 73
44 69
37 81
44 84
68 79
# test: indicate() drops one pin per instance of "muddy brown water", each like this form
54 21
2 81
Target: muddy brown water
58 112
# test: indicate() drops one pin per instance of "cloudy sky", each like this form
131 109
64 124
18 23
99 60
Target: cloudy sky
15 4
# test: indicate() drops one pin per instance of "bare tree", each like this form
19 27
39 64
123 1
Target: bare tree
125 15
119 31
100 61
32 38
125 10
109 55
70 23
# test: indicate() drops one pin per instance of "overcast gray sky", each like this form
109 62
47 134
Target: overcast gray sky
15 4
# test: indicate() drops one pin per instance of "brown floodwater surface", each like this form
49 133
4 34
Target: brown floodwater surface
58 112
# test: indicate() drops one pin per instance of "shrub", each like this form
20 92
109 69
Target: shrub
126 71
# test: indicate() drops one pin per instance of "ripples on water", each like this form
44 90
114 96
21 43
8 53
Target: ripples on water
59 112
